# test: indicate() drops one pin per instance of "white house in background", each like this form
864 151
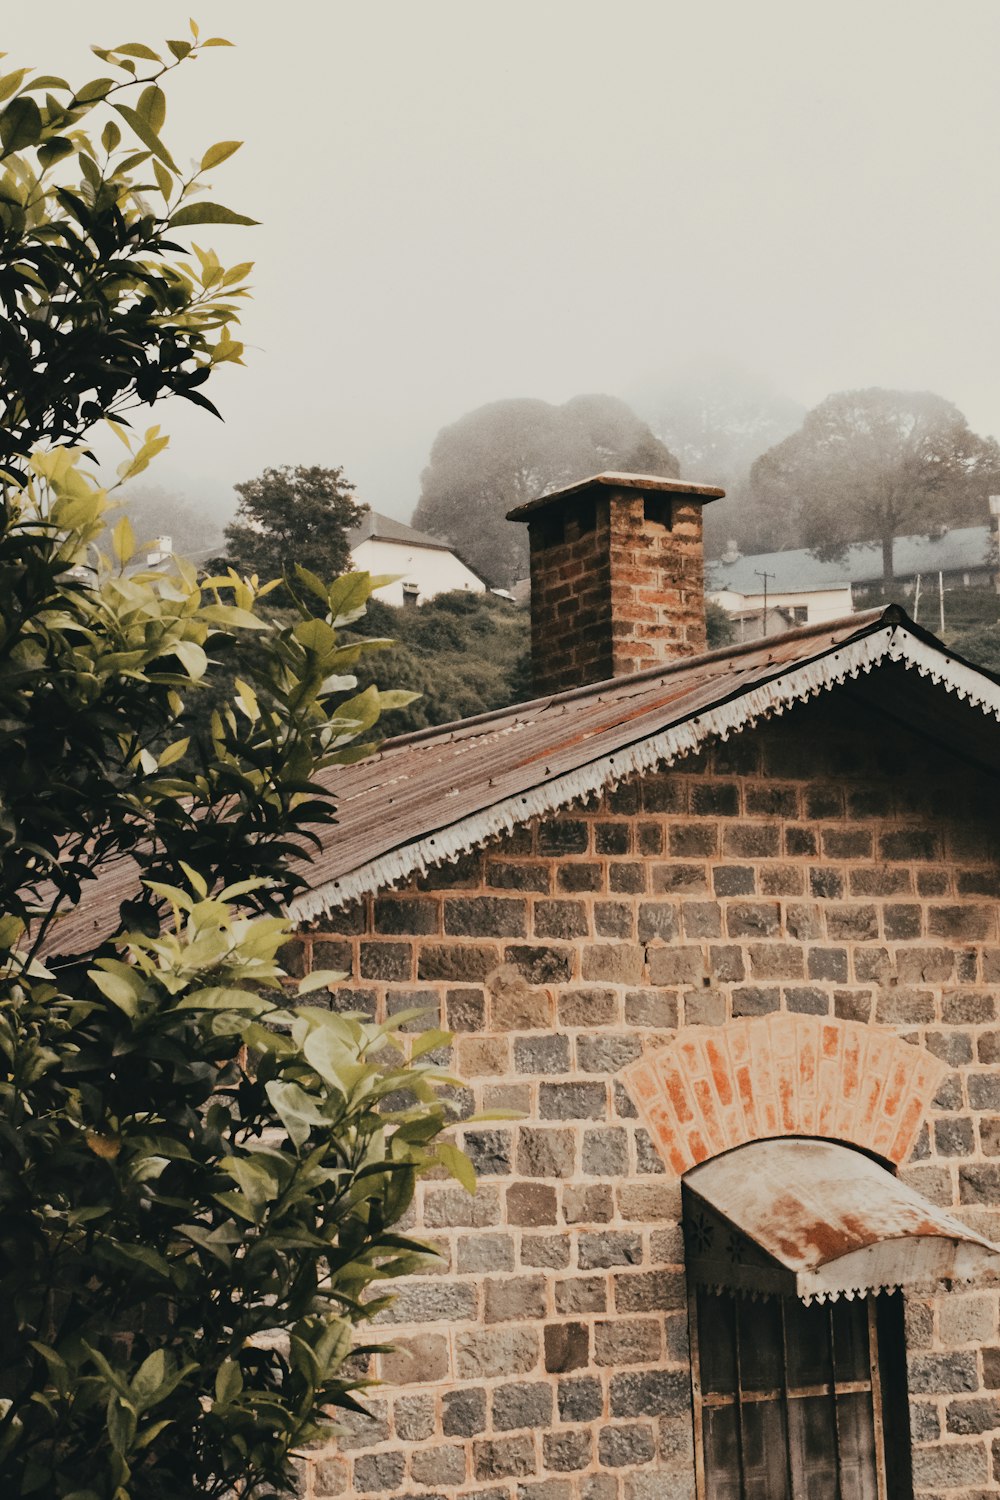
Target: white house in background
813 591
423 565
800 589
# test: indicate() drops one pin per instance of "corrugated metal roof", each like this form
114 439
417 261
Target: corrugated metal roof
963 549
817 1220
428 797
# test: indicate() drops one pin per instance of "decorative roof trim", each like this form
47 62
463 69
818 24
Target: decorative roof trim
740 711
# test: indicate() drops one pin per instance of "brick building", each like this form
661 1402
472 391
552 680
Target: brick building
723 931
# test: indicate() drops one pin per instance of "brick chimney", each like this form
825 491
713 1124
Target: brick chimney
617 577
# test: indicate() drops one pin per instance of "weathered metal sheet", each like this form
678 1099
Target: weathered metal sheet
429 797
817 1220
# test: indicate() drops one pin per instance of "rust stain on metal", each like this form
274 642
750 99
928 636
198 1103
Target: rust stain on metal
831 1220
441 777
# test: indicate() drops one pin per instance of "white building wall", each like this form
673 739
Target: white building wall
433 570
820 604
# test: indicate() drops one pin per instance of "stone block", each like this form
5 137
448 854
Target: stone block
443 1465
627 1341
545 1152
626 1445
649 1007
610 1248
548 1053
413 1417
539 963
613 963
605 1152
497 1458
676 965
485 1252
548 1251
490 1151
589 1007
572 1101
413 1361
580 1399
587 1203
514 1299
653 1393
567 1451
484 1353
561 919
531 1204
463 1412
567 1347
377 1473
657 922
465 1010
753 919
518 1404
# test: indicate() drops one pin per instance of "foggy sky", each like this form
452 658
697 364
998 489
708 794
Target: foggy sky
463 201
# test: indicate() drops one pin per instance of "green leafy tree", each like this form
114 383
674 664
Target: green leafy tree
508 452
868 466
200 1163
460 653
293 515
101 312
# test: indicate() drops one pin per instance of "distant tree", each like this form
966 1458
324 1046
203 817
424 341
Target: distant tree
719 628
290 516
155 511
718 420
463 653
868 466
503 454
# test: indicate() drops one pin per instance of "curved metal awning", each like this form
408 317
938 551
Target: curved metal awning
816 1220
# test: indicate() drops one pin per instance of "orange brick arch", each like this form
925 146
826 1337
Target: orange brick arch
717 1087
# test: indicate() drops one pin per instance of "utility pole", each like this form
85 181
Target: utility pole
765 577
941 600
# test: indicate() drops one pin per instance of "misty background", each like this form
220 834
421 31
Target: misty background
464 203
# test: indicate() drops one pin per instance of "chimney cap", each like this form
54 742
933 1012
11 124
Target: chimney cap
613 481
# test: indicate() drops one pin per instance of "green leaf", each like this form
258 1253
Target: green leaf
216 41
458 1165
207 213
120 991
11 82
152 106
146 134
192 658
98 88
228 1381
329 1057
20 124
150 1376
218 153
320 979
137 49
179 49
164 181
296 1109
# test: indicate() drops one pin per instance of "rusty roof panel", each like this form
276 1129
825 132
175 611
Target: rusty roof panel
817 1220
427 797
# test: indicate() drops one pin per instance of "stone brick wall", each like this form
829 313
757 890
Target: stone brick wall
814 867
612 590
